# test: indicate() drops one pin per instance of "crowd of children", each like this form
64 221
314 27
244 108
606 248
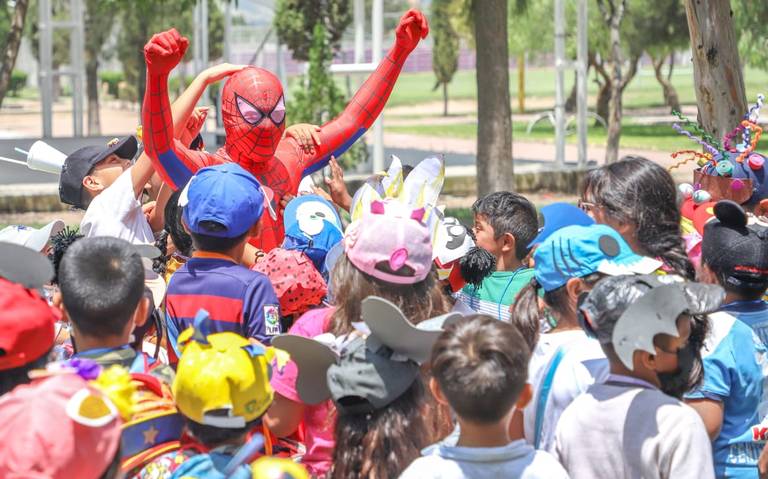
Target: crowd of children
621 338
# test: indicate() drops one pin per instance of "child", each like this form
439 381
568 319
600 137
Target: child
731 399
505 225
363 270
626 427
102 293
565 361
224 205
59 427
222 390
375 383
479 369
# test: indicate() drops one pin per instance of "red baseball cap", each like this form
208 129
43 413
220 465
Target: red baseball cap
26 325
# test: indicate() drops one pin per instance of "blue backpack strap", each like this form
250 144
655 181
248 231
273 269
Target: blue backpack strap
142 363
546 387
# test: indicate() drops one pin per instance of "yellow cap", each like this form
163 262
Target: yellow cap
222 379
276 468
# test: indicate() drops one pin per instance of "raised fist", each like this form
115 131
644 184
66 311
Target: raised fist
164 51
412 28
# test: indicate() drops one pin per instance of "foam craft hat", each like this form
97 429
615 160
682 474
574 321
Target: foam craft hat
270 467
313 227
408 344
663 299
43 157
27 267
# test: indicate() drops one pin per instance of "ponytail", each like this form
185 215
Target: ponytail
526 314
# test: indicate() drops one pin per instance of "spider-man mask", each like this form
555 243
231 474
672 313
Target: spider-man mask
253 112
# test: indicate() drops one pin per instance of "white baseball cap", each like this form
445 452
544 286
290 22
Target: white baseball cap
32 238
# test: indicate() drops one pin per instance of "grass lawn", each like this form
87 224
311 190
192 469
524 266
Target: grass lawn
653 137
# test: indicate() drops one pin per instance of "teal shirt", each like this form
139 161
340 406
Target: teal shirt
496 293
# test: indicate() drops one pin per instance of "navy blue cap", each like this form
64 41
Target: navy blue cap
560 215
225 194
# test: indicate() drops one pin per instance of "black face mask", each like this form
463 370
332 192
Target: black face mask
685 377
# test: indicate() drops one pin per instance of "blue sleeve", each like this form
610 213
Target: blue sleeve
261 311
719 366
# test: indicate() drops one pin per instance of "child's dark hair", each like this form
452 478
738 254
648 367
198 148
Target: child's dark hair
638 191
159 264
10 378
101 282
481 365
60 242
384 443
525 314
748 288
212 436
215 244
511 213
174 227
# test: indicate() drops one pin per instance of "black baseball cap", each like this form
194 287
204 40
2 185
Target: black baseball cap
80 163
734 247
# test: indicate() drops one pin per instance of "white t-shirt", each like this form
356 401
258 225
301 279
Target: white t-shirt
583 364
116 212
628 431
517 459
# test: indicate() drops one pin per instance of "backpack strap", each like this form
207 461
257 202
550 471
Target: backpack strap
544 390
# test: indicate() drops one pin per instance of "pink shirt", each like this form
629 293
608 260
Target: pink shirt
317 419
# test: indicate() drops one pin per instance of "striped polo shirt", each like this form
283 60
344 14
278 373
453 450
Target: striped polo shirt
237 299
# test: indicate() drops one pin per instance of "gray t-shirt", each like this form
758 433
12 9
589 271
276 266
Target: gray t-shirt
517 459
621 430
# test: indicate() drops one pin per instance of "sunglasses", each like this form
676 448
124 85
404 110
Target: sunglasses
586 206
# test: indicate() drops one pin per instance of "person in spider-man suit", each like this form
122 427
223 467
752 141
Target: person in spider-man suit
253 112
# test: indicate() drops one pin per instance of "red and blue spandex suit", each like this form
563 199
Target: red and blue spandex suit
253 113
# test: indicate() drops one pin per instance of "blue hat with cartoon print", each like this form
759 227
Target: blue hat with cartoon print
578 251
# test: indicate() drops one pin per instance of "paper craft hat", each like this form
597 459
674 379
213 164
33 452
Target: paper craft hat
270 467
458 261
313 227
297 282
19 264
646 305
364 374
43 157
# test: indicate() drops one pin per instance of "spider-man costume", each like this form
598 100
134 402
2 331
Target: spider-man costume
253 112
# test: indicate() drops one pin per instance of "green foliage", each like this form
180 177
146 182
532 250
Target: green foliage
445 52
295 21
112 79
531 29
17 83
317 99
750 20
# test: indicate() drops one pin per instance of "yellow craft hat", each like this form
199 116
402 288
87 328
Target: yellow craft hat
222 379
277 468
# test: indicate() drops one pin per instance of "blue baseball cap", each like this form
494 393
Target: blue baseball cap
225 194
578 251
560 215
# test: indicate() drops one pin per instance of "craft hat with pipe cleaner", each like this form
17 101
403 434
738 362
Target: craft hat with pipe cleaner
222 380
737 246
629 311
313 227
577 251
390 243
365 373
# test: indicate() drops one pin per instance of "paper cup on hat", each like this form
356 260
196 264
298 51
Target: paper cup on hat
44 157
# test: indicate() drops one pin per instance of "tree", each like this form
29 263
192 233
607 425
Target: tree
495 170
717 75
317 99
613 13
750 23
531 31
445 51
12 43
99 18
295 21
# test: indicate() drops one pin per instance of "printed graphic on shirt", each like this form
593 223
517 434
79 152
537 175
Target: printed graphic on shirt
271 320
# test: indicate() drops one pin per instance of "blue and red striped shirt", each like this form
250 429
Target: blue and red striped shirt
237 299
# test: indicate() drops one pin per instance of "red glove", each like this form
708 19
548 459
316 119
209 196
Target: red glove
164 51
412 28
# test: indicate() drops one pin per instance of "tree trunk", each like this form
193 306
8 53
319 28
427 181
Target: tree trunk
12 43
671 98
92 91
445 99
613 16
521 83
603 102
570 103
494 126
717 74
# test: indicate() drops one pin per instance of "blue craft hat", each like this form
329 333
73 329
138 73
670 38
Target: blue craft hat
557 216
225 194
578 251
312 226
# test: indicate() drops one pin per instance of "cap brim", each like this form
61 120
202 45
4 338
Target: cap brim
312 361
22 265
638 265
391 328
41 237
